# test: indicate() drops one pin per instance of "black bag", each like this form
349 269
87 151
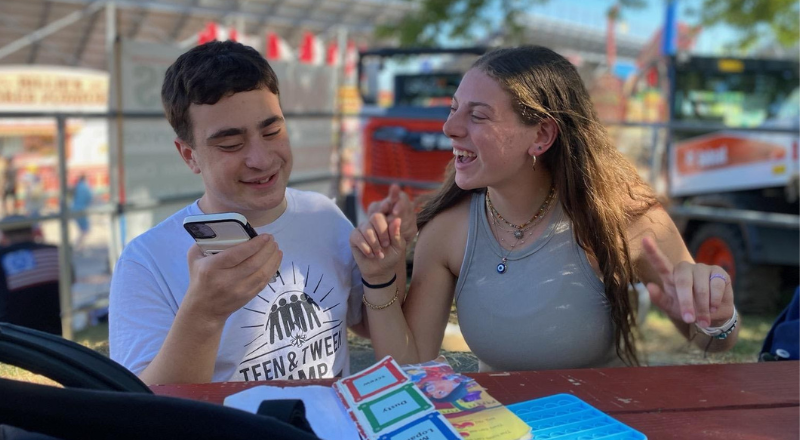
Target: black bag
102 400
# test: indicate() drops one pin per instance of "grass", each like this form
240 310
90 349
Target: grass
95 337
660 344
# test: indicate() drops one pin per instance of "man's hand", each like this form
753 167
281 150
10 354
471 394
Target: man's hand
396 205
221 284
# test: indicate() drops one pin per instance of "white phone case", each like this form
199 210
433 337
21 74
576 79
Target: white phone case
216 232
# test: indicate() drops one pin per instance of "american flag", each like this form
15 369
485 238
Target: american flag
26 268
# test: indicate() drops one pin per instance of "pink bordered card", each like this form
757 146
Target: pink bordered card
374 380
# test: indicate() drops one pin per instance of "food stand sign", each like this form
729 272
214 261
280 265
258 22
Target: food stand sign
50 89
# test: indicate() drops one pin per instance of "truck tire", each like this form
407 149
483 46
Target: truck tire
756 288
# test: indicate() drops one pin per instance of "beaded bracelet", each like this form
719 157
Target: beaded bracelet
383 306
722 331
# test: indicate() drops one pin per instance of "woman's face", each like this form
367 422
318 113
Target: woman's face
490 142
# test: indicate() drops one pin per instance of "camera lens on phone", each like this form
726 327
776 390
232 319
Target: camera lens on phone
200 230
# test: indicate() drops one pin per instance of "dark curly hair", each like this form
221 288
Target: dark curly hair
207 73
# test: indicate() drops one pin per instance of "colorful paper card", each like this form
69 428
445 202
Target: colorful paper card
465 404
382 399
432 426
394 406
373 380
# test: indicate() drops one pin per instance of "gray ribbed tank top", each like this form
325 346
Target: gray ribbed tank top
547 311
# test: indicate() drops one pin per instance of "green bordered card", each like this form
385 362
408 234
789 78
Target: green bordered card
385 404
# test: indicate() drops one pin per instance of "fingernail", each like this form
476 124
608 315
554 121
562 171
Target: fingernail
713 310
688 318
380 255
703 323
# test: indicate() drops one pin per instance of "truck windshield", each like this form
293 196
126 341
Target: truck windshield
426 89
421 77
736 93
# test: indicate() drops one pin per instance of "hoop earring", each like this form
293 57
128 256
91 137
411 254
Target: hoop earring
533 162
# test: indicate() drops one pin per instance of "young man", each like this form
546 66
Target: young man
220 317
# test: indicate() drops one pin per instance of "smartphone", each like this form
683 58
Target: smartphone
216 232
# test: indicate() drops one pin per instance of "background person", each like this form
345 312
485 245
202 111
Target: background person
81 200
9 186
29 288
33 189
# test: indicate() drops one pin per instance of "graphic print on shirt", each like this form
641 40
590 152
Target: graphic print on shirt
300 329
26 268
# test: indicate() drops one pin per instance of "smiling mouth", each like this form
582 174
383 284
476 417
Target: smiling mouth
463 156
260 181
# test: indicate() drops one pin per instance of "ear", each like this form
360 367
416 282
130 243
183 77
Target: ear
187 154
546 134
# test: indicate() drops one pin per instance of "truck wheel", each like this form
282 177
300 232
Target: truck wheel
756 288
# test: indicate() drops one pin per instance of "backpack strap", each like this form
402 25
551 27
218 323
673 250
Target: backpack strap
69 413
64 361
105 400
291 411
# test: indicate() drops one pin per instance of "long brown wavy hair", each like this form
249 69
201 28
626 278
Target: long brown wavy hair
599 188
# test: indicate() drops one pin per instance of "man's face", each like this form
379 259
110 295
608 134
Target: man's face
241 150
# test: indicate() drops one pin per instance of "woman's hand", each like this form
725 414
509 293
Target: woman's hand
397 205
692 293
378 247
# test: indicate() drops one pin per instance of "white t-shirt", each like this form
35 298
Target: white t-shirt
296 328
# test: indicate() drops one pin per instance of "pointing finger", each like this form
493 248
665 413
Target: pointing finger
394 193
657 259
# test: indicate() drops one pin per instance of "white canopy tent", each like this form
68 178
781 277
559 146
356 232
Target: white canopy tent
74 32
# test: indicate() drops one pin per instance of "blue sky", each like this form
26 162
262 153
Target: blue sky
641 23
637 22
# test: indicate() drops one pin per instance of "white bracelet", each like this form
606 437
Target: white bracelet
722 331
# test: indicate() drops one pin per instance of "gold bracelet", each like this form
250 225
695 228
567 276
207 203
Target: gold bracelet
381 307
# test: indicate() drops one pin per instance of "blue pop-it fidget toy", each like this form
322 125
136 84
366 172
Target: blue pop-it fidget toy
566 417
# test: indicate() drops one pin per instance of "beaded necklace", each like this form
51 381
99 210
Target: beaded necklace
519 230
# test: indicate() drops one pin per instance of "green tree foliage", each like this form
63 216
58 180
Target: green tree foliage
455 20
458 20
755 19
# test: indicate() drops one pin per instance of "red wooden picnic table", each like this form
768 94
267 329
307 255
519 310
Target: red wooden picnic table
718 401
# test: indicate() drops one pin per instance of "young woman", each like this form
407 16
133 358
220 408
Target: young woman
538 231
